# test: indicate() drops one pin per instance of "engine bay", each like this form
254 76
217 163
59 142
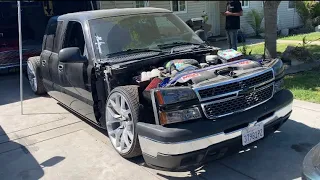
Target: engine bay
190 72
187 70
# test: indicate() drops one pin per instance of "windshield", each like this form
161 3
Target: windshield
144 31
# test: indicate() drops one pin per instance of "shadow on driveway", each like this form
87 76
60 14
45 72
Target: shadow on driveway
16 161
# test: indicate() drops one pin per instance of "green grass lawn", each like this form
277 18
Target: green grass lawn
305 86
258 49
310 37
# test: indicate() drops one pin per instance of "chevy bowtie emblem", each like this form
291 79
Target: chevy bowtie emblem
252 98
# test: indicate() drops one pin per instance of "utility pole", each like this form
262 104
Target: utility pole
20 55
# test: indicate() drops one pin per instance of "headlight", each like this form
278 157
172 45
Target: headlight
277 67
179 115
174 95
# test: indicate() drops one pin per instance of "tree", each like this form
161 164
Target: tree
270 9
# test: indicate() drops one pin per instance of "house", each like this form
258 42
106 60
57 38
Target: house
287 14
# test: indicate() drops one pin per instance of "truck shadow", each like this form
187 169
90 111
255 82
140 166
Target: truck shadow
17 162
278 156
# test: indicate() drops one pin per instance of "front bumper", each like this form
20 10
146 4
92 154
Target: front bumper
194 143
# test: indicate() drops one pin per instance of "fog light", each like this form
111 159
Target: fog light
179 116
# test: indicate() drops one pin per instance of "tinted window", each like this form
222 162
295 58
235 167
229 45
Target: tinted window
56 47
74 36
50 35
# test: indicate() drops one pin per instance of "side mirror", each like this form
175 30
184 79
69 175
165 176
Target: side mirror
71 55
201 34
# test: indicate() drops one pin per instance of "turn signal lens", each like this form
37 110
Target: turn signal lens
179 115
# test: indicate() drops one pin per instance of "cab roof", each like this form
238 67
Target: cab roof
96 14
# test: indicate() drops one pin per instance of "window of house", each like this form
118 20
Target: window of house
245 3
291 4
140 4
178 6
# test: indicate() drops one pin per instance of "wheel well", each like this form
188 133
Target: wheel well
100 95
95 97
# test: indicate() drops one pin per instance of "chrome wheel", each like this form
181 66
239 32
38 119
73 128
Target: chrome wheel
119 122
32 76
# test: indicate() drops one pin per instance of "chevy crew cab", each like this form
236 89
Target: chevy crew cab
145 77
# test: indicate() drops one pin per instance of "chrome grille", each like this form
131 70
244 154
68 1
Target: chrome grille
217 90
239 103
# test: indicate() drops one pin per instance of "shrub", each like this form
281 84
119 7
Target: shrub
255 21
309 12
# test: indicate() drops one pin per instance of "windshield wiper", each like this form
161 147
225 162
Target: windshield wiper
132 51
175 44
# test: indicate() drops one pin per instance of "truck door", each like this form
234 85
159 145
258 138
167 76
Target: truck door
54 62
75 77
46 63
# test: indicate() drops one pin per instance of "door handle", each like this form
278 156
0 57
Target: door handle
60 67
43 62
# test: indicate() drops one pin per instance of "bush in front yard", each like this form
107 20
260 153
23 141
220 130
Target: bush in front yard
255 21
309 11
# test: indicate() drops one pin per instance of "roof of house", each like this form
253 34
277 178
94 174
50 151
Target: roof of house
95 14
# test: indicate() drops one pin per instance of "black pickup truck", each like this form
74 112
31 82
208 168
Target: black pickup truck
150 81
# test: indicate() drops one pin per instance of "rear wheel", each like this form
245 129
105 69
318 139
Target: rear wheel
122 113
34 77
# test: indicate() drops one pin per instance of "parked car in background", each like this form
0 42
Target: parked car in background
156 87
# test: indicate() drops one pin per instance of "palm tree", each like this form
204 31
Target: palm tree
270 9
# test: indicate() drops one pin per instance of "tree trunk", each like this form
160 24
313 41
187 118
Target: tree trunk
270 15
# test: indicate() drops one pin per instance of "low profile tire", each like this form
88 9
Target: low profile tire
34 77
122 114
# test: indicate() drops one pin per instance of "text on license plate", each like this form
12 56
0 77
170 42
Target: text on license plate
251 134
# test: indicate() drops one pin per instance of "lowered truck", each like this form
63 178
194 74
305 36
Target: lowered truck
153 84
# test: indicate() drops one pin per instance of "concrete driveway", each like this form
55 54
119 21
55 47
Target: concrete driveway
48 142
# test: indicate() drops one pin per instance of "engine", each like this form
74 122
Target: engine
189 72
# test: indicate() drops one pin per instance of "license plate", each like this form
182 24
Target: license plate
251 134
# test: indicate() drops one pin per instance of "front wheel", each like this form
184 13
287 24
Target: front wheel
122 113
